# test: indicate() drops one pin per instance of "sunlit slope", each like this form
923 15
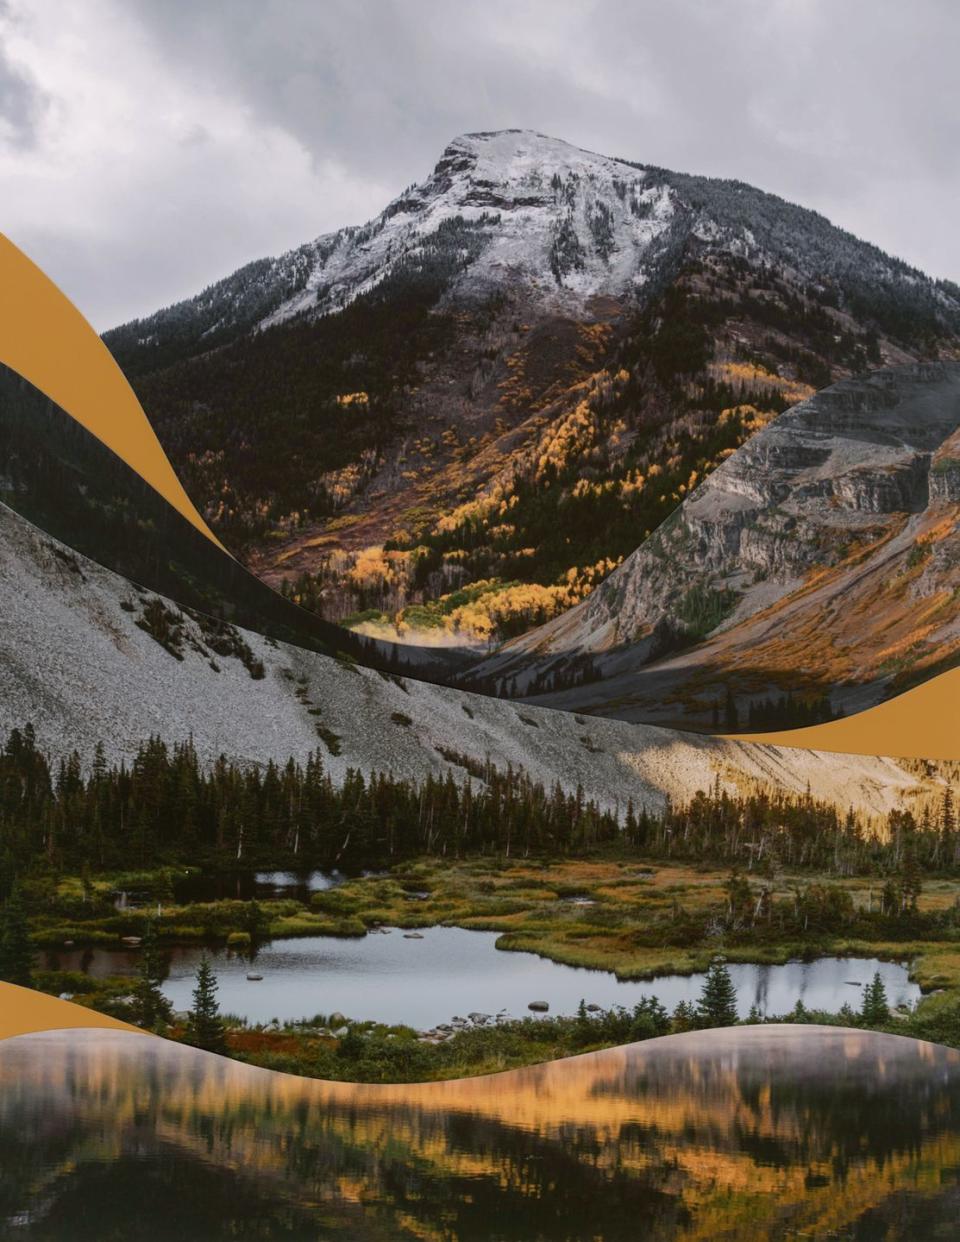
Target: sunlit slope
815 574
87 657
44 338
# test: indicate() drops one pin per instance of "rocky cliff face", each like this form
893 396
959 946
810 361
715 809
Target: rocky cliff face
855 486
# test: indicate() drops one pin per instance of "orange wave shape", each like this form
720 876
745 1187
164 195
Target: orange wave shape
44 338
24 1012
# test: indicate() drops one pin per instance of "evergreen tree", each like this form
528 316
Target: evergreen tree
649 1019
205 1027
166 808
875 1009
16 947
152 1007
684 1018
947 815
717 1005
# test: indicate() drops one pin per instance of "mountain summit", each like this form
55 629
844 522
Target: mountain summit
517 207
512 206
450 424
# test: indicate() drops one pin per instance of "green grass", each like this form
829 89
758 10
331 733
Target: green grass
647 919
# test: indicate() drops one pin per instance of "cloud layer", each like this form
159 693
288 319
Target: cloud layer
147 149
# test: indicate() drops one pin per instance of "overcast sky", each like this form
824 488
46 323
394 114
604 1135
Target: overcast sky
148 147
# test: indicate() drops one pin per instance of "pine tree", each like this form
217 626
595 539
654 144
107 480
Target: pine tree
684 1018
152 1007
205 1027
717 1005
947 816
875 1009
16 947
650 1019
911 880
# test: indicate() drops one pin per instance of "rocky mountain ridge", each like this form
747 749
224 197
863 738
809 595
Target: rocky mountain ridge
823 556
546 215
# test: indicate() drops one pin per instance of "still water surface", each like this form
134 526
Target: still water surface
452 971
751 1133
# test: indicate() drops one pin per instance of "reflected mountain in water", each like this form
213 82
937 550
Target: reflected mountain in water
753 1133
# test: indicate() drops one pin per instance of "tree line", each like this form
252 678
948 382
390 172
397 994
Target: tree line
166 806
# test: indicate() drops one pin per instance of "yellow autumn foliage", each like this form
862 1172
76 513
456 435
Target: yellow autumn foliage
750 375
372 566
481 619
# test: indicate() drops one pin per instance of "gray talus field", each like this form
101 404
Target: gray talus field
87 657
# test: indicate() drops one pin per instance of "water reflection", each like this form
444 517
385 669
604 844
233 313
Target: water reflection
250 885
452 970
753 1133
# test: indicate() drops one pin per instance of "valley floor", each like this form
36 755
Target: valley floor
635 917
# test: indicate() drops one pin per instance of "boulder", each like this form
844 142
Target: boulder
539 1006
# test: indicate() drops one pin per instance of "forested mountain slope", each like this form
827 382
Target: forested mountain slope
453 422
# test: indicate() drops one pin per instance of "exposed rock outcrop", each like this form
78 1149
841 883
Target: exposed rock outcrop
861 474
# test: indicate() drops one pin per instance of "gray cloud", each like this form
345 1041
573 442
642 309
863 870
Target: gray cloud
21 100
288 119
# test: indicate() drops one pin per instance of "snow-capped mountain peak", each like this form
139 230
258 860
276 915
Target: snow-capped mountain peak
517 210
514 201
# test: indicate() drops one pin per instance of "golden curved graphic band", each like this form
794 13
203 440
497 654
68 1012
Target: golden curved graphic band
24 1012
44 338
922 723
